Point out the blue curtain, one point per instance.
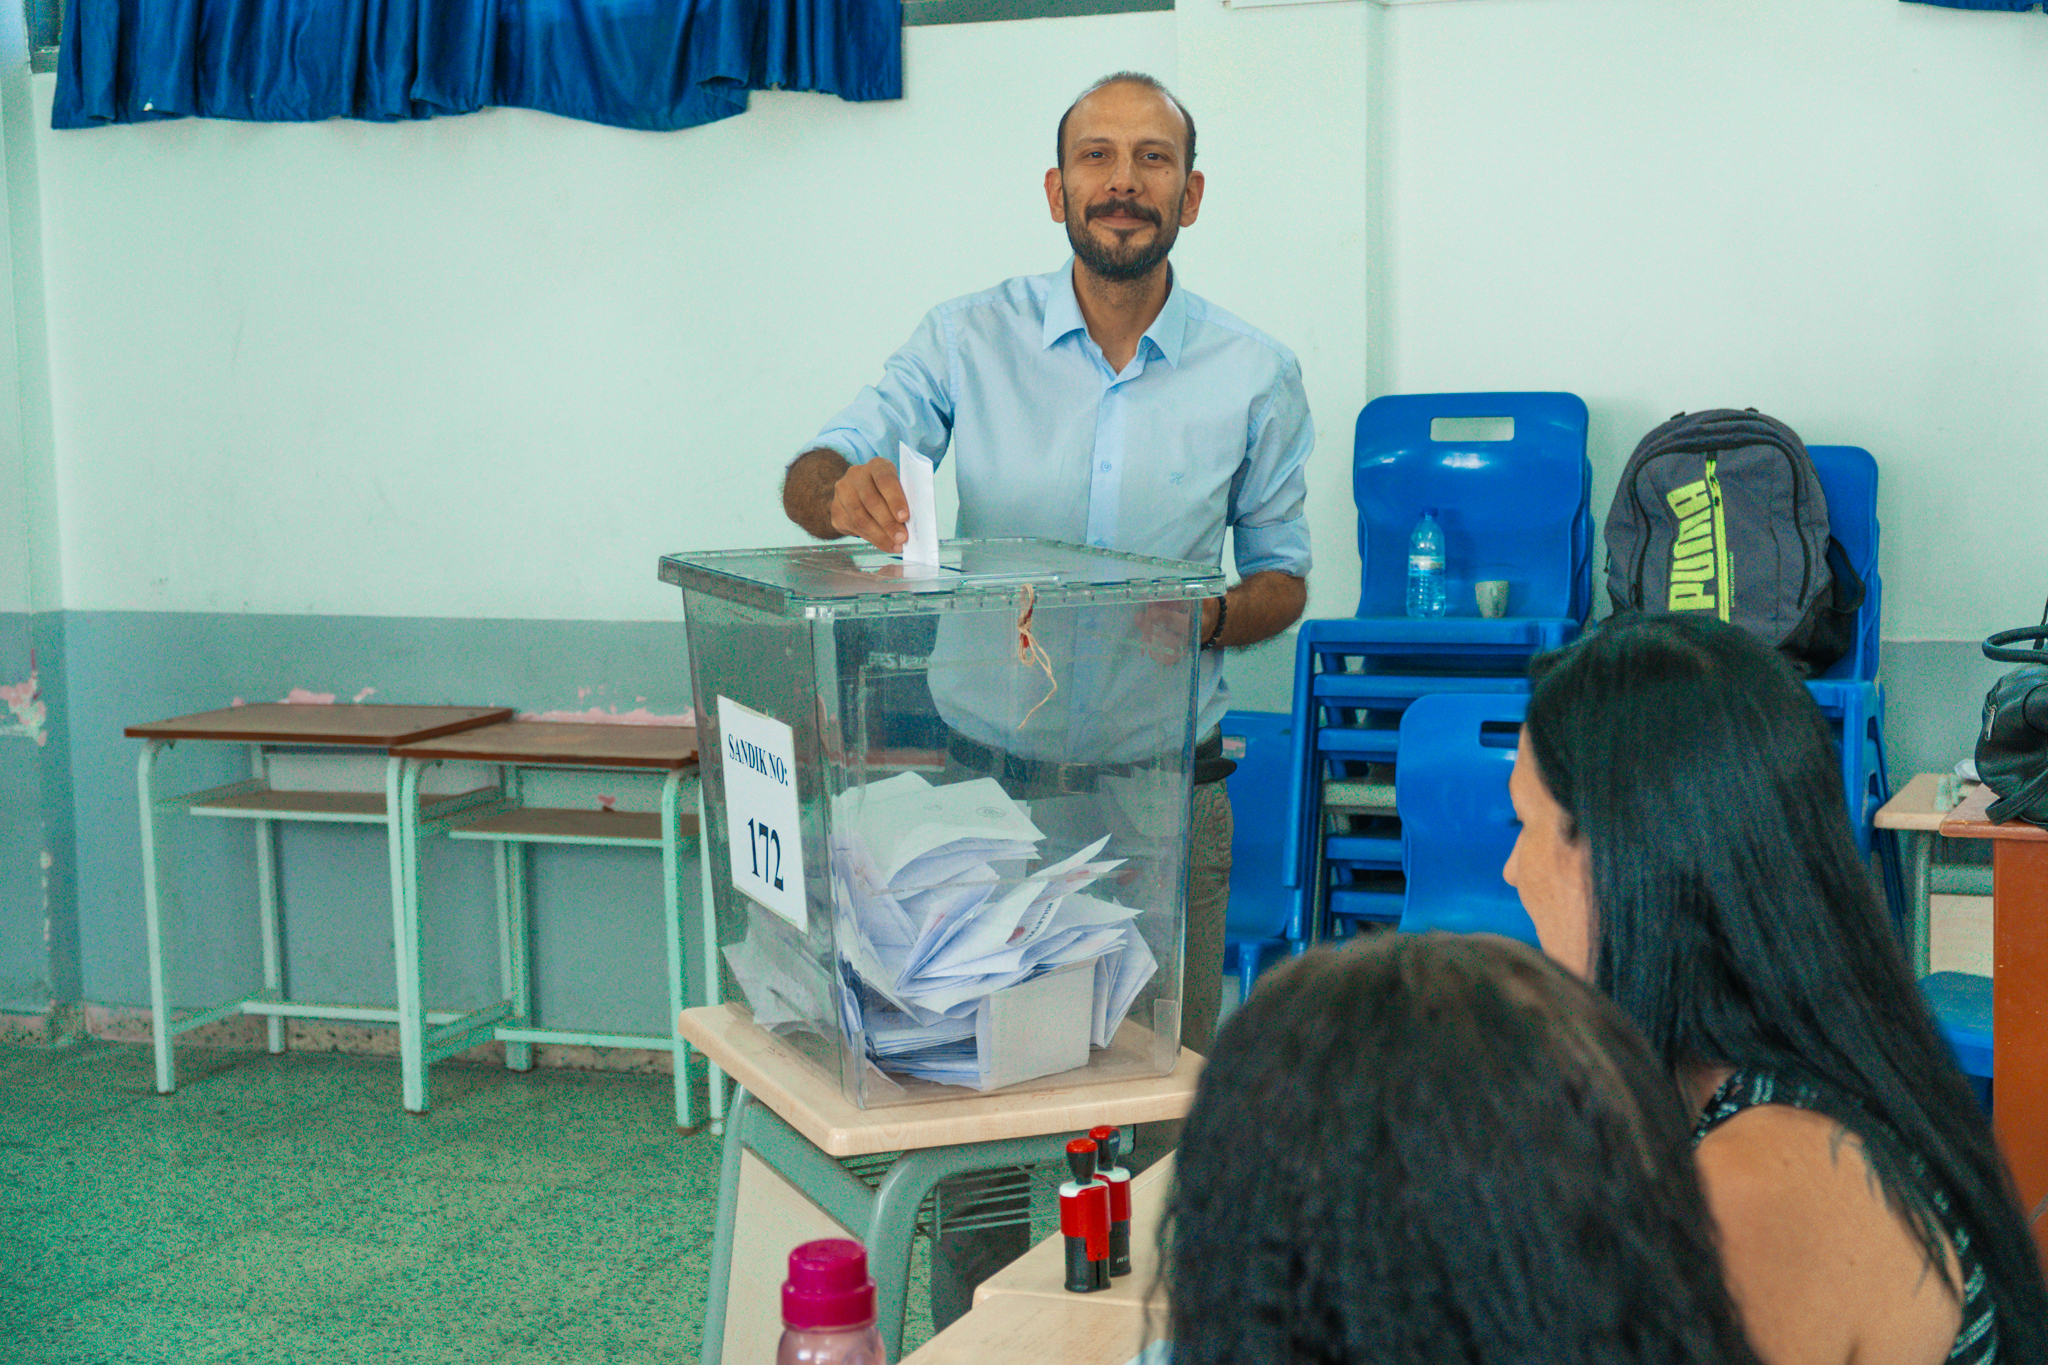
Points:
(654, 64)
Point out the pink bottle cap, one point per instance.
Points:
(828, 1287)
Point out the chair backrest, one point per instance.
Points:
(1848, 476)
(1457, 823)
(1261, 907)
(1515, 508)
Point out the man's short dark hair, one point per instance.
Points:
(1059, 151)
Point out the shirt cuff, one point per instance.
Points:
(1282, 546)
(849, 444)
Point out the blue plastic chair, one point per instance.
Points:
(1457, 823)
(1961, 1002)
(1848, 692)
(1265, 918)
(1848, 477)
(1515, 509)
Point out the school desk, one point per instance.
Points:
(268, 729)
(625, 760)
(801, 1163)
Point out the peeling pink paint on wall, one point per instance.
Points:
(299, 696)
(25, 703)
(597, 715)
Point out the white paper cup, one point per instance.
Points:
(1492, 594)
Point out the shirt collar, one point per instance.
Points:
(1167, 333)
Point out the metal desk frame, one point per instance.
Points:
(883, 1216)
(514, 1026)
(417, 1048)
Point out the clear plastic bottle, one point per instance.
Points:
(828, 1307)
(1427, 596)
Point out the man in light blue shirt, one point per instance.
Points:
(1106, 405)
(1096, 405)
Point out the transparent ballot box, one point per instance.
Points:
(948, 807)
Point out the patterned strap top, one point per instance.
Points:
(1977, 1340)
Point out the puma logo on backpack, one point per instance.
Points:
(1722, 512)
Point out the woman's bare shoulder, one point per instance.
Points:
(1824, 1266)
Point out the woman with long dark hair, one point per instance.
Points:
(1437, 1148)
(1685, 847)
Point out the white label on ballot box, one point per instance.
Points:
(759, 759)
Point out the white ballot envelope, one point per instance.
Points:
(915, 474)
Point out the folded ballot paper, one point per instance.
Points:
(962, 964)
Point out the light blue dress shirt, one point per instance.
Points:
(1207, 427)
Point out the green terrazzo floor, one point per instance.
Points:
(284, 1209)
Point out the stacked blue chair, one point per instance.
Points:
(1848, 693)
(1516, 508)
(1852, 699)
(1457, 823)
(1961, 1003)
(1265, 918)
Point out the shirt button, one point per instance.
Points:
(1105, 466)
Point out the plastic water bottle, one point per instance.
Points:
(1427, 597)
(828, 1307)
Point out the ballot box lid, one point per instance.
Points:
(825, 581)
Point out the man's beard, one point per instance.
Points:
(1124, 261)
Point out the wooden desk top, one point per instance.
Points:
(1042, 1271)
(577, 743)
(369, 727)
(1018, 1330)
(805, 1099)
(1912, 807)
(1967, 821)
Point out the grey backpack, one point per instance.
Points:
(1721, 512)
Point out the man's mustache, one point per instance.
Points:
(1129, 208)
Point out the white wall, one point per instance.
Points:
(495, 365)
(16, 583)
(1829, 209)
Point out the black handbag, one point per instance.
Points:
(2012, 748)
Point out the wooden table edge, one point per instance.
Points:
(1085, 1109)
(1967, 821)
(159, 730)
(457, 754)
(1920, 816)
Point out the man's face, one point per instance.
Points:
(1123, 188)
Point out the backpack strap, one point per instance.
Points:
(1849, 590)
